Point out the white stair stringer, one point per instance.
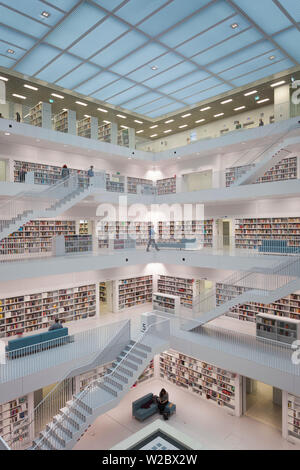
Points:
(251, 295)
(53, 211)
(278, 152)
(104, 394)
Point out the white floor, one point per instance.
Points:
(205, 422)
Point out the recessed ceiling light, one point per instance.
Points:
(139, 132)
(263, 101)
(121, 116)
(124, 127)
(102, 110)
(250, 93)
(234, 25)
(19, 96)
(186, 115)
(154, 135)
(200, 120)
(241, 107)
(154, 67)
(220, 114)
(6, 133)
(272, 57)
(31, 87)
(80, 103)
(153, 127)
(10, 51)
(139, 122)
(4, 79)
(205, 109)
(180, 127)
(226, 101)
(46, 14)
(277, 83)
(57, 96)
(167, 131)
(170, 120)
(106, 122)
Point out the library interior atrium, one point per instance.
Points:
(149, 225)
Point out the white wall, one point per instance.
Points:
(210, 130)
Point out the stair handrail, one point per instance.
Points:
(91, 385)
(31, 418)
(256, 157)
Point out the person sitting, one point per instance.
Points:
(162, 401)
(56, 325)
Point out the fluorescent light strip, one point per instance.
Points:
(169, 130)
(241, 107)
(4, 79)
(31, 87)
(19, 96)
(205, 109)
(57, 96)
(153, 127)
(106, 122)
(263, 101)
(200, 120)
(277, 83)
(139, 122)
(80, 103)
(87, 116)
(102, 110)
(124, 127)
(180, 127)
(220, 114)
(170, 120)
(121, 116)
(226, 101)
(154, 135)
(186, 115)
(250, 93)
(139, 132)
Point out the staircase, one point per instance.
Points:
(48, 204)
(69, 425)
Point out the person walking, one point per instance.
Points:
(56, 325)
(151, 240)
(90, 174)
(65, 174)
(18, 117)
(22, 174)
(261, 123)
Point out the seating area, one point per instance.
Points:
(146, 406)
(32, 344)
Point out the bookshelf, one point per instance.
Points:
(133, 291)
(282, 329)
(102, 292)
(36, 236)
(166, 303)
(40, 115)
(12, 415)
(27, 313)
(166, 186)
(209, 382)
(46, 174)
(286, 169)
(88, 127)
(147, 374)
(135, 231)
(139, 186)
(184, 288)
(78, 243)
(115, 183)
(84, 227)
(250, 233)
(94, 374)
(293, 418)
(176, 230)
(124, 244)
(123, 137)
(65, 122)
(104, 132)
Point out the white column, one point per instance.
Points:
(114, 133)
(282, 103)
(131, 138)
(94, 128)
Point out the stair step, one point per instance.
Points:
(130, 364)
(131, 357)
(51, 441)
(65, 426)
(75, 422)
(109, 389)
(123, 369)
(113, 381)
(77, 411)
(83, 405)
(58, 434)
(119, 376)
(137, 352)
(144, 347)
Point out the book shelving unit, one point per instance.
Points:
(134, 185)
(32, 312)
(102, 292)
(88, 127)
(134, 291)
(282, 329)
(65, 122)
(212, 383)
(47, 174)
(166, 186)
(234, 173)
(40, 115)
(166, 303)
(176, 230)
(12, 415)
(147, 374)
(178, 286)
(250, 233)
(78, 243)
(123, 137)
(94, 374)
(104, 132)
(115, 183)
(293, 417)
